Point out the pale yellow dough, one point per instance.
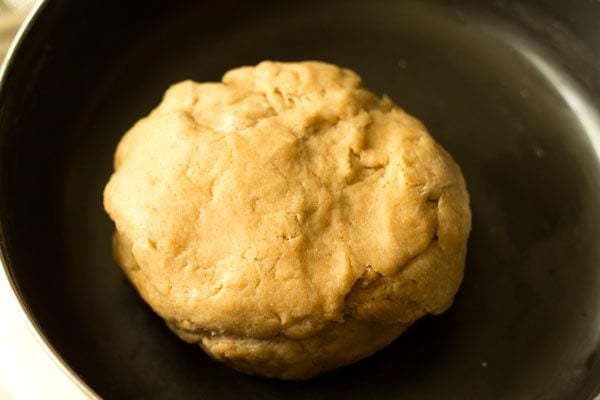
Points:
(286, 219)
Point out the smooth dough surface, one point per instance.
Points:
(286, 219)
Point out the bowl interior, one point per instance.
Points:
(518, 113)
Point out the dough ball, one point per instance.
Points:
(286, 219)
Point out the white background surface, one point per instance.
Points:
(27, 371)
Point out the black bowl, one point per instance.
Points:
(511, 89)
